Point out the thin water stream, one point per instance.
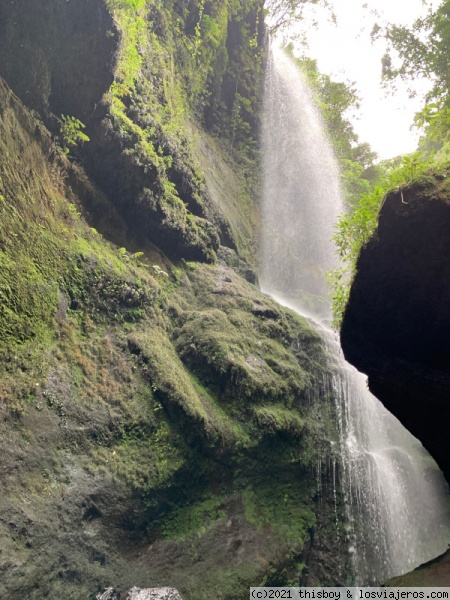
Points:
(396, 499)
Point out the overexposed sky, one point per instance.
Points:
(345, 52)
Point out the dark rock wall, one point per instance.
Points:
(58, 55)
(397, 324)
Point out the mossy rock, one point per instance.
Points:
(236, 350)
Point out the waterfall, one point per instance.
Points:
(396, 499)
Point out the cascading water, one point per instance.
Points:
(397, 501)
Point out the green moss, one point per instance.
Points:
(180, 393)
(282, 508)
(28, 300)
(233, 431)
(278, 419)
(168, 376)
(167, 68)
(195, 518)
(239, 355)
(210, 339)
(146, 463)
(156, 126)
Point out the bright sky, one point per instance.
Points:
(345, 52)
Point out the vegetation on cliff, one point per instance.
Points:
(357, 227)
(157, 424)
(183, 64)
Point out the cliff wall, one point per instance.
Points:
(157, 425)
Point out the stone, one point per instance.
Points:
(108, 594)
(164, 593)
(263, 311)
(435, 573)
(396, 327)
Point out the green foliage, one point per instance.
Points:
(423, 51)
(159, 272)
(71, 133)
(133, 27)
(434, 120)
(178, 391)
(130, 5)
(195, 518)
(226, 344)
(165, 77)
(225, 82)
(278, 419)
(284, 13)
(28, 298)
(169, 379)
(146, 461)
(217, 342)
(197, 48)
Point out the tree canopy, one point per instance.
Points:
(282, 13)
(423, 51)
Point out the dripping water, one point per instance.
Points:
(395, 497)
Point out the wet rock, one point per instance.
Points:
(231, 258)
(63, 65)
(435, 573)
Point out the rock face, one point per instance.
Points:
(58, 56)
(103, 62)
(397, 324)
(435, 573)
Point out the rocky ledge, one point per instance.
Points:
(396, 327)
